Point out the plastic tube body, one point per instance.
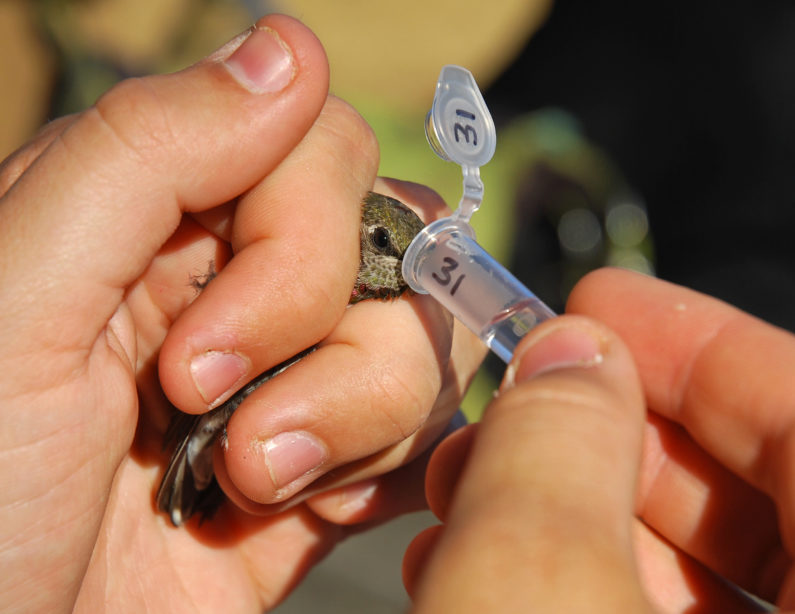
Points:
(445, 261)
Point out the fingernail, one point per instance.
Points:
(564, 347)
(215, 374)
(292, 455)
(357, 497)
(263, 63)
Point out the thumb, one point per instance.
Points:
(116, 180)
(542, 515)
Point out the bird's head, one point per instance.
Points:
(388, 226)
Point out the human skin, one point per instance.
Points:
(242, 160)
(627, 483)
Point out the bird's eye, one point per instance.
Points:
(380, 237)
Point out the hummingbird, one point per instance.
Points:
(189, 485)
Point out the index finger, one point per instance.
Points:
(721, 373)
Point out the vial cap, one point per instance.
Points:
(459, 127)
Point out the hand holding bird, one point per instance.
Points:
(189, 484)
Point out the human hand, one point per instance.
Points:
(105, 215)
(567, 500)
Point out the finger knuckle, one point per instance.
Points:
(404, 402)
(135, 115)
(352, 138)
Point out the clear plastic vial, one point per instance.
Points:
(444, 259)
(450, 265)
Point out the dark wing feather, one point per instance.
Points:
(189, 485)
